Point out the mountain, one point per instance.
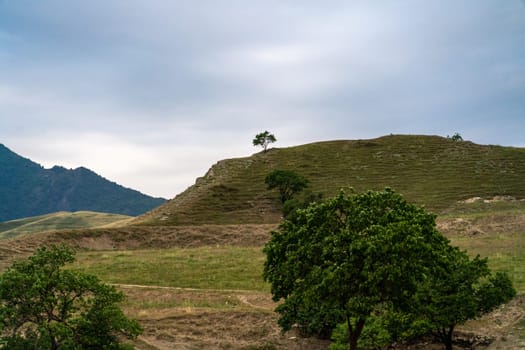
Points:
(27, 189)
(429, 170)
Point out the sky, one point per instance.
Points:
(151, 93)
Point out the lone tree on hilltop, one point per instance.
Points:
(263, 139)
(341, 259)
(43, 306)
(456, 137)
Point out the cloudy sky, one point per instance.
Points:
(151, 93)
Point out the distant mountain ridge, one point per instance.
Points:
(27, 189)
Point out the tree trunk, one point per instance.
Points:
(448, 340)
(448, 344)
(445, 335)
(354, 334)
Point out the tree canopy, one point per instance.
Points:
(456, 137)
(287, 181)
(263, 139)
(340, 259)
(461, 289)
(375, 257)
(43, 306)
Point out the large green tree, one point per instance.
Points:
(460, 289)
(44, 306)
(341, 259)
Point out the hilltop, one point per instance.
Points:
(27, 189)
(429, 170)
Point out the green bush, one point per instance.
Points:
(43, 306)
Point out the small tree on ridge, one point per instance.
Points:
(263, 139)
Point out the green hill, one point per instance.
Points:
(429, 170)
(27, 189)
(58, 221)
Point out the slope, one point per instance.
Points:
(27, 189)
(428, 170)
(59, 221)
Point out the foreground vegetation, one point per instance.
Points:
(494, 230)
(353, 258)
(43, 306)
(182, 293)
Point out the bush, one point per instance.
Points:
(43, 306)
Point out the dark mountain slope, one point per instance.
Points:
(27, 189)
(429, 170)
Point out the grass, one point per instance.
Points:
(229, 267)
(240, 268)
(428, 170)
(217, 268)
(198, 295)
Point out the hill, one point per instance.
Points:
(59, 221)
(194, 281)
(429, 170)
(27, 189)
(200, 286)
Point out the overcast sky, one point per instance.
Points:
(151, 93)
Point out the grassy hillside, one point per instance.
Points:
(58, 221)
(429, 170)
